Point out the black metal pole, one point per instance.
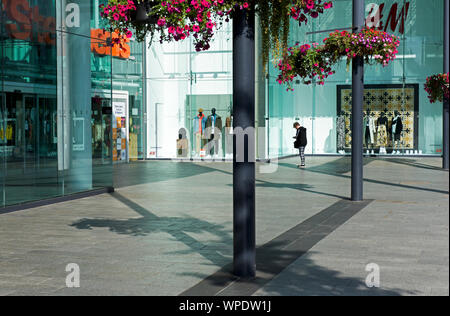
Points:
(445, 118)
(243, 161)
(357, 108)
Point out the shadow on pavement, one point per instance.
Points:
(303, 277)
(327, 169)
(412, 163)
(177, 227)
(155, 171)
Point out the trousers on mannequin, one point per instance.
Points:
(213, 145)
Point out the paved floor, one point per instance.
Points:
(168, 229)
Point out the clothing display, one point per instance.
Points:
(229, 135)
(198, 142)
(199, 123)
(369, 130)
(182, 148)
(394, 106)
(216, 121)
(340, 126)
(7, 136)
(213, 132)
(397, 128)
(199, 126)
(382, 128)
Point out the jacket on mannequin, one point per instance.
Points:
(397, 125)
(369, 127)
(200, 123)
(213, 125)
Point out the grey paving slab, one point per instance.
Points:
(169, 226)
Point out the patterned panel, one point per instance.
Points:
(384, 100)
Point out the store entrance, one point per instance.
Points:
(28, 130)
(110, 126)
(28, 144)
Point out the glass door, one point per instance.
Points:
(30, 146)
(2, 149)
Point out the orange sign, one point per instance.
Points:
(99, 44)
(26, 17)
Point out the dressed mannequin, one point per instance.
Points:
(214, 131)
(229, 135)
(397, 128)
(182, 144)
(369, 130)
(199, 130)
(340, 128)
(382, 137)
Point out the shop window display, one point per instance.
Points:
(390, 119)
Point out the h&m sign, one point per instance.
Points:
(382, 18)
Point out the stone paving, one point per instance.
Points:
(168, 226)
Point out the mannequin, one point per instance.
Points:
(340, 127)
(199, 130)
(369, 130)
(382, 137)
(214, 131)
(229, 135)
(397, 128)
(182, 144)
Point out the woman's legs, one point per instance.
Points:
(302, 156)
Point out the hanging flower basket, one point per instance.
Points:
(306, 61)
(373, 45)
(437, 88)
(316, 63)
(176, 20)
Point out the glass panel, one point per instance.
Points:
(53, 137)
(392, 94)
(212, 91)
(29, 113)
(168, 100)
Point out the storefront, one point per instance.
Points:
(182, 82)
(71, 103)
(73, 106)
(392, 94)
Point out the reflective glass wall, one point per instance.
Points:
(181, 82)
(396, 89)
(189, 93)
(48, 144)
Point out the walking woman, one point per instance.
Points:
(300, 142)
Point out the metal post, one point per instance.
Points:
(357, 108)
(445, 117)
(243, 163)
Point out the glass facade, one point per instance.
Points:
(181, 83)
(72, 105)
(325, 110)
(66, 116)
